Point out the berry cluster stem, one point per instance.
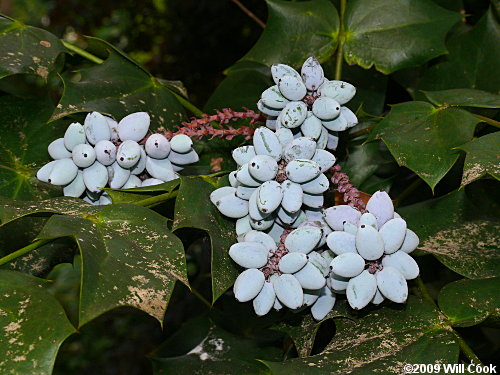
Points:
(272, 266)
(345, 187)
(200, 127)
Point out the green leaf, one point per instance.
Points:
(193, 209)
(363, 161)
(482, 158)
(395, 34)
(103, 88)
(303, 328)
(296, 30)
(218, 352)
(241, 88)
(473, 56)
(129, 257)
(460, 232)
(33, 325)
(65, 286)
(422, 137)
(27, 50)
(371, 87)
(380, 342)
(470, 302)
(23, 146)
(141, 193)
(463, 98)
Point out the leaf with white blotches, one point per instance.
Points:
(33, 325)
(129, 256)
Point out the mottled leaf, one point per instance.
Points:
(103, 88)
(461, 233)
(129, 257)
(218, 352)
(463, 98)
(193, 209)
(380, 342)
(27, 50)
(303, 328)
(470, 302)
(482, 158)
(33, 325)
(24, 138)
(395, 34)
(422, 137)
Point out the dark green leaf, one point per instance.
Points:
(473, 57)
(33, 325)
(27, 50)
(129, 257)
(422, 138)
(103, 88)
(482, 158)
(371, 88)
(24, 138)
(296, 30)
(193, 209)
(364, 159)
(303, 328)
(218, 352)
(141, 193)
(380, 342)
(470, 302)
(241, 88)
(463, 98)
(395, 34)
(461, 233)
(65, 286)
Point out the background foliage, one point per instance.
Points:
(428, 104)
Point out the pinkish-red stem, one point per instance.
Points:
(272, 266)
(344, 186)
(200, 127)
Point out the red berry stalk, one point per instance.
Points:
(200, 127)
(351, 195)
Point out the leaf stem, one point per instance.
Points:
(16, 254)
(156, 200)
(249, 13)
(82, 52)
(466, 350)
(423, 290)
(79, 51)
(488, 120)
(340, 48)
(361, 132)
(201, 298)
